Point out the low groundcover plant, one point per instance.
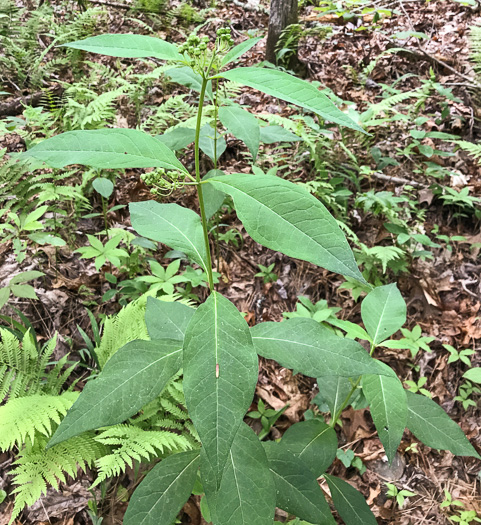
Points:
(243, 478)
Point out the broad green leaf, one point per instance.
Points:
(431, 425)
(239, 50)
(220, 375)
(474, 374)
(23, 277)
(4, 295)
(313, 442)
(105, 148)
(334, 390)
(188, 78)
(25, 291)
(383, 312)
(306, 346)
(247, 493)
(350, 503)
(178, 138)
(130, 379)
(209, 145)
(291, 89)
(128, 46)
(167, 320)
(297, 489)
(103, 186)
(285, 217)
(213, 198)
(171, 224)
(242, 125)
(389, 409)
(163, 492)
(272, 134)
(33, 216)
(46, 238)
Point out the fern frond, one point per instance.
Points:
(133, 443)
(36, 468)
(473, 149)
(388, 104)
(23, 417)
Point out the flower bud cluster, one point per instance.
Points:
(162, 182)
(224, 37)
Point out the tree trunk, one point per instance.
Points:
(282, 13)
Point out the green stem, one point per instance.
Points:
(199, 186)
(348, 398)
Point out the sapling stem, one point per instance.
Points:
(199, 186)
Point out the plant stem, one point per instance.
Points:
(199, 186)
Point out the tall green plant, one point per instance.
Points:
(243, 479)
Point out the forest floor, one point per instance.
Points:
(443, 293)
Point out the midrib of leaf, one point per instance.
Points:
(216, 339)
(296, 490)
(237, 487)
(313, 439)
(167, 489)
(303, 234)
(352, 507)
(381, 316)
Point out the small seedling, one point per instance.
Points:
(399, 495)
(268, 276)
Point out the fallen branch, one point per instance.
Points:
(15, 107)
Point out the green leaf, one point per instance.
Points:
(167, 320)
(4, 295)
(306, 346)
(186, 77)
(297, 489)
(239, 50)
(25, 291)
(474, 374)
(220, 375)
(247, 493)
(285, 217)
(130, 379)
(272, 134)
(170, 224)
(103, 186)
(128, 46)
(163, 492)
(105, 148)
(291, 89)
(213, 198)
(431, 425)
(334, 390)
(178, 138)
(46, 238)
(207, 142)
(383, 312)
(313, 442)
(350, 503)
(242, 125)
(389, 409)
(23, 277)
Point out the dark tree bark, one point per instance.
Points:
(282, 13)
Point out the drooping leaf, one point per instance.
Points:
(188, 78)
(285, 217)
(131, 378)
(247, 492)
(389, 408)
(105, 148)
(103, 186)
(171, 224)
(239, 50)
(213, 198)
(208, 143)
(291, 89)
(272, 134)
(313, 442)
(178, 138)
(167, 320)
(431, 425)
(163, 492)
(297, 489)
(128, 46)
(242, 125)
(220, 374)
(304, 345)
(383, 312)
(349, 502)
